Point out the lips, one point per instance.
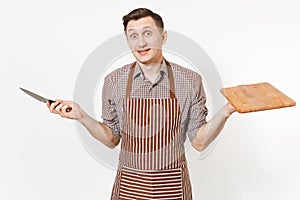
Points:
(143, 52)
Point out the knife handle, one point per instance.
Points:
(51, 101)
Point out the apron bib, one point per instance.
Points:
(152, 163)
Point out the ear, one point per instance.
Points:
(164, 37)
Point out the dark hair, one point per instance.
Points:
(141, 13)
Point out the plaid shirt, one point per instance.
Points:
(188, 90)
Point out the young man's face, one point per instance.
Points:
(145, 40)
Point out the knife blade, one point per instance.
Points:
(40, 98)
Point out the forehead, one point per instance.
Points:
(141, 23)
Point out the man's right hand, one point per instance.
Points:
(61, 108)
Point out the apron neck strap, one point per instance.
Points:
(170, 74)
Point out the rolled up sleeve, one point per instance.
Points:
(109, 112)
(197, 111)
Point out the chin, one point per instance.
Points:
(144, 59)
(147, 59)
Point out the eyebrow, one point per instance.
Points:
(131, 29)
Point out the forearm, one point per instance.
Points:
(208, 132)
(99, 131)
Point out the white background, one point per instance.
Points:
(43, 44)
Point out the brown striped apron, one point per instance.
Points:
(152, 163)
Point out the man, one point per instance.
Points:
(150, 106)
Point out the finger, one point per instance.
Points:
(58, 107)
(231, 108)
(70, 104)
(53, 106)
(65, 102)
(65, 107)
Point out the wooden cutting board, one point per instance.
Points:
(256, 97)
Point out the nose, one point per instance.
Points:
(142, 42)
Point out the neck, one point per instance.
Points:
(151, 69)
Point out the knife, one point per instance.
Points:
(40, 98)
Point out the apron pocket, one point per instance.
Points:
(151, 184)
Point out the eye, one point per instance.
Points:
(148, 33)
(133, 36)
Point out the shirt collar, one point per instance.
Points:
(138, 71)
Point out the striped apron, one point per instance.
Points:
(152, 163)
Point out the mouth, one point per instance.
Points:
(143, 52)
